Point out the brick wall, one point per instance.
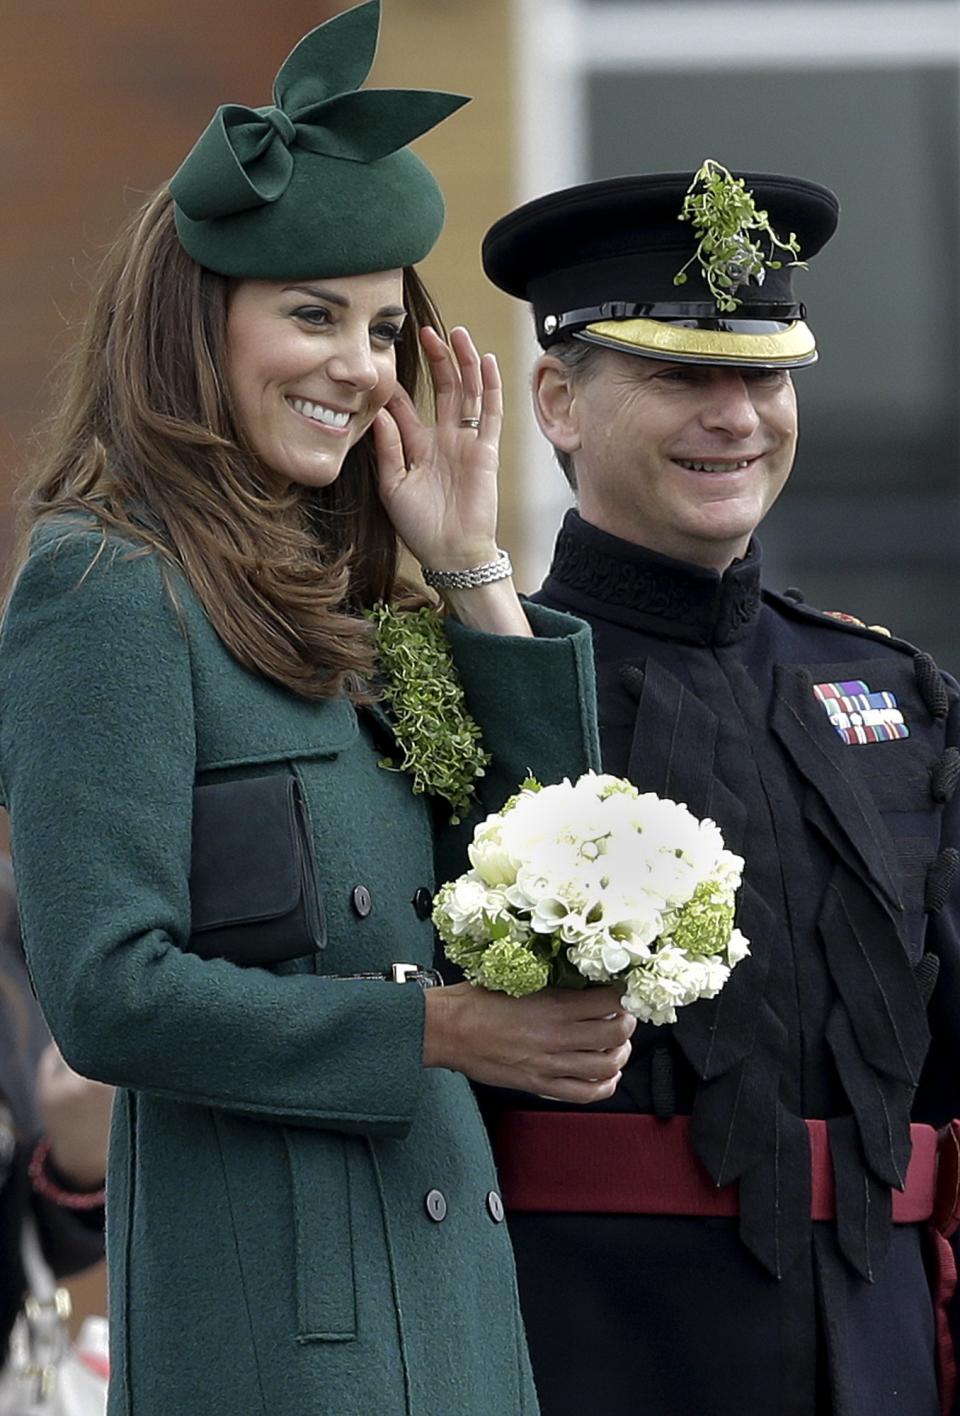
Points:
(99, 101)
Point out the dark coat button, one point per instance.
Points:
(495, 1206)
(362, 900)
(436, 1205)
(423, 903)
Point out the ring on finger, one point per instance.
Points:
(470, 423)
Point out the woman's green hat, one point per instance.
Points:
(320, 183)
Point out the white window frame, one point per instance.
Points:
(557, 43)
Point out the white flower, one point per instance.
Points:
(498, 908)
(596, 960)
(716, 973)
(651, 998)
(489, 857)
(700, 977)
(636, 924)
(612, 942)
(621, 823)
(671, 827)
(608, 786)
(631, 887)
(580, 926)
(568, 908)
(532, 821)
(534, 883)
(729, 869)
(463, 904)
(549, 914)
(737, 948)
(602, 784)
(684, 976)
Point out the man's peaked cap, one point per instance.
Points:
(599, 261)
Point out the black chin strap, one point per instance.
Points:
(696, 314)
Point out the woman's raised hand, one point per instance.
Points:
(439, 484)
(566, 1044)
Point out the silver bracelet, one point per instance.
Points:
(469, 579)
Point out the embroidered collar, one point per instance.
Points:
(600, 575)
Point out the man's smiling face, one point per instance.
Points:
(685, 459)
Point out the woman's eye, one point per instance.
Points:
(387, 333)
(312, 314)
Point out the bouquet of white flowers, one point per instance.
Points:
(594, 882)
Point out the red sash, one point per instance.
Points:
(623, 1163)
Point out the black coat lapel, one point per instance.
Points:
(674, 738)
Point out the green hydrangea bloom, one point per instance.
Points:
(618, 788)
(465, 952)
(704, 923)
(529, 784)
(512, 968)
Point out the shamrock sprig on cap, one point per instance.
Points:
(723, 214)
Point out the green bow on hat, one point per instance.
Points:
(321, 182)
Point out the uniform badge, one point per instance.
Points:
(844, 618)
(859, 715)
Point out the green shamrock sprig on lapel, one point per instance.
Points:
(440, 742)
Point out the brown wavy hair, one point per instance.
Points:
(146, 442)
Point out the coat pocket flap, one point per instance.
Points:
(253, 721)
(325, 1279)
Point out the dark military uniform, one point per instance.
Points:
(753, 1241)
(708, 695)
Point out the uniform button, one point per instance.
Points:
(362, 900)
(495, 1207)
(436, 1205)
(423, 903)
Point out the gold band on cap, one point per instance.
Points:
(790, 347)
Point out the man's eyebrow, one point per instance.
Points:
(317, 292)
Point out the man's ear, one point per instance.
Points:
(554, 403)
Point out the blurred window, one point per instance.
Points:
(865, 98)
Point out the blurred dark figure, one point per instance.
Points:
(53, 1133)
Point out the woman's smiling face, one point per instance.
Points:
(310, 364)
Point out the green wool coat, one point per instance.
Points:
(270, 1247)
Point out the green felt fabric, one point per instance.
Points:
(320, 182)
